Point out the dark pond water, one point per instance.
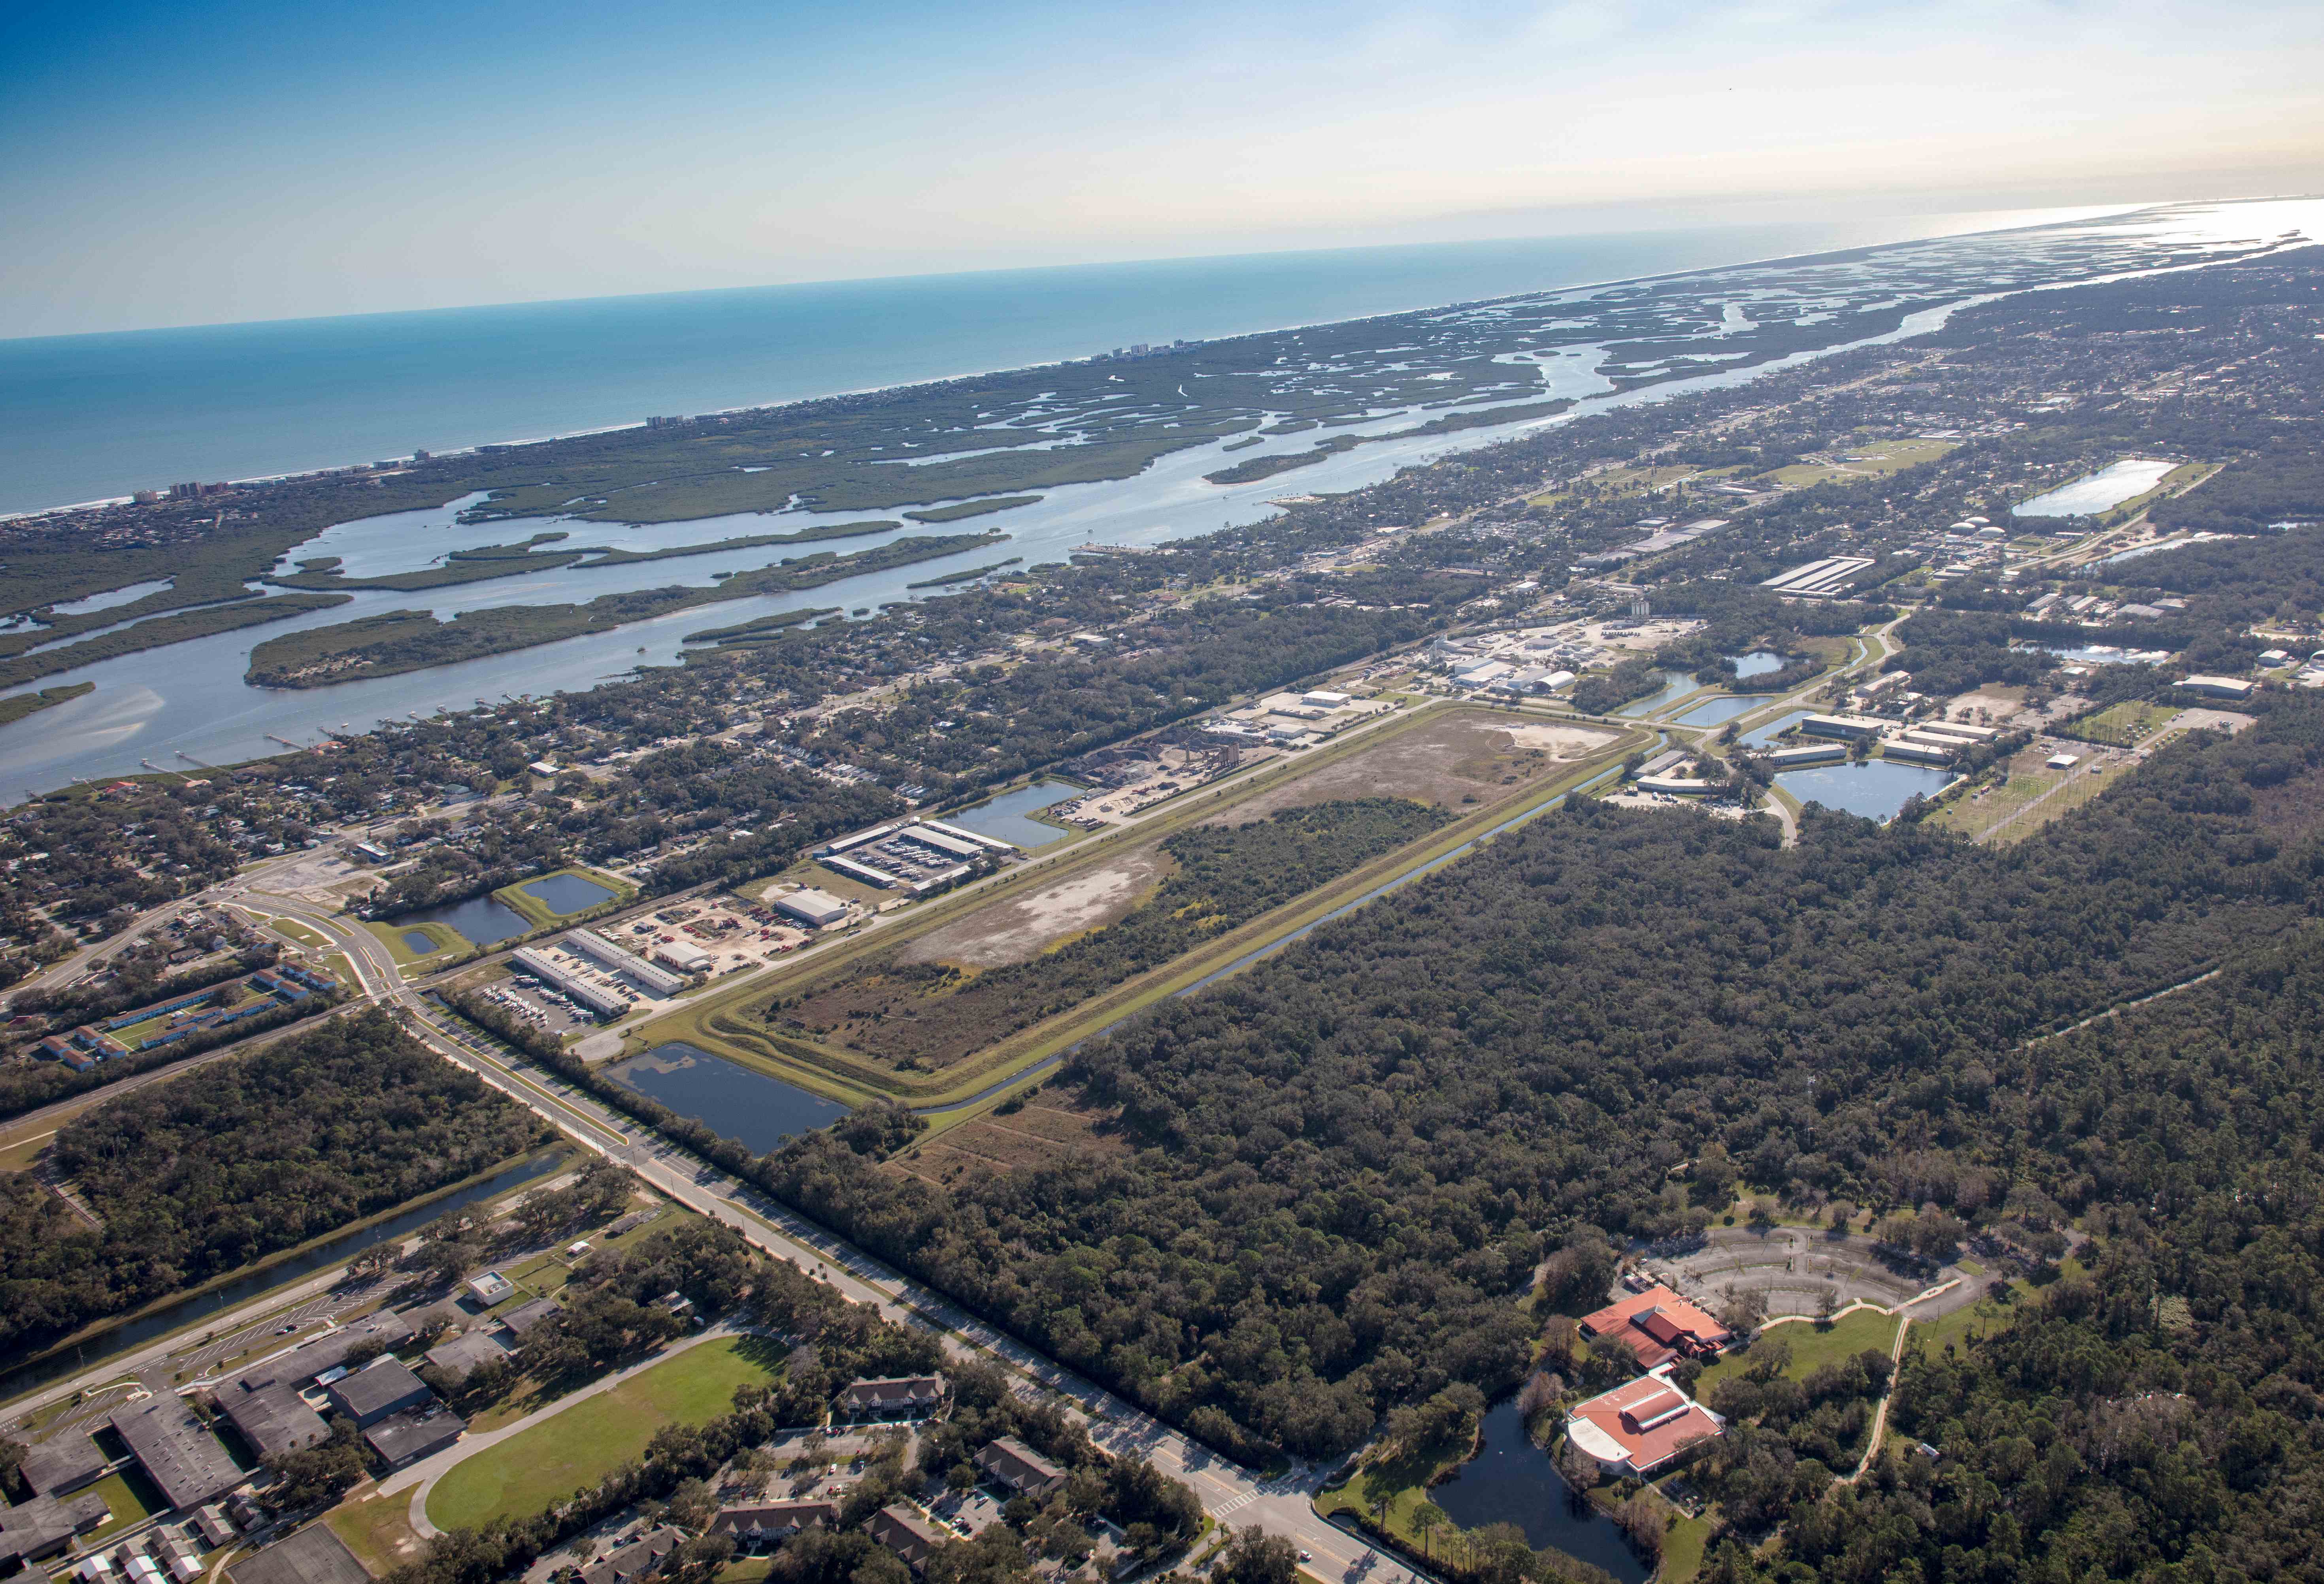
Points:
(567, 893)
(416, 941)
(339, 1250)
(756, 1112)
(1875, 788)
(1711, 712)
(480, 921)
(1004, 817)
(1764, 736)
(1674, 683)
(1513, 1481)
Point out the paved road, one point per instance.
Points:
(1227, 1491)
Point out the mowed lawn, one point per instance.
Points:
(577, 1446)
(1814, 1345)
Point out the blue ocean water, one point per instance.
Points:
(87, 417)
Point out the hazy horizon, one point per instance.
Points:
(254, 162)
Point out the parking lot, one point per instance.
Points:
(1795, 1268)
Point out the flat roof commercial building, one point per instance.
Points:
(2220, 687)
(599, 999)
(184, 1460)
(1815, 753)
(1846, 726)
(589, 943)
(1919, 753)
(61, 1463)
(272, 1416)
(377, 1390)
(409, 1434)
(811, 907)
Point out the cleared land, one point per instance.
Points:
(871, 1017)
(1020, 928)
(1451, 761)
(1044, 1131)
(577, 1446)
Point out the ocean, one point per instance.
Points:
(88, 418)
(561, 367)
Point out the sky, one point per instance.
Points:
(168, 164)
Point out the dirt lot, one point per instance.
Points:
(1049, 1129)
(1022, 928)
(1795, 1266)
(1464, 757)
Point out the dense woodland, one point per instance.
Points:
(236, 1161)
(1349, 1159)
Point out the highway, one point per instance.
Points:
(1228, 1492)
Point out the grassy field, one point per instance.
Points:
(291, 929)
(2126, 724)
(448, 942)
(378, 1530)
(1682, 1548)
(1876, 459)
(2030, 798)
(1813, 1344)
(1403, 1483)
(579, 1446)
(130, 1497)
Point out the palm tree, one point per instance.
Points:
(1425, 1519)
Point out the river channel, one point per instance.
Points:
(186, 706)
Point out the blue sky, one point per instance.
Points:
(257, 160)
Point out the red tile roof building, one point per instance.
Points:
(1659, 1326)
(1641, 1425)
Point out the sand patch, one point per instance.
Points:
(1020, 929)
(1455, 760)
(1559, 741)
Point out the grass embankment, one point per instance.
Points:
(155, 631)
(396, 641)
(445, 938)
(721, 1024)
(579, 1445)
(541, 916)
(17, 707)
(304, 934)
(1402, 1484)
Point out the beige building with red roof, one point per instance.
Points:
(1641, 1425)
(1659, 1326)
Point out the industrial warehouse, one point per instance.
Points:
(915, 856)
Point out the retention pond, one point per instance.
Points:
(753, 1110)
(1512, 1481)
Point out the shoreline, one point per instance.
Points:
(588, 431)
